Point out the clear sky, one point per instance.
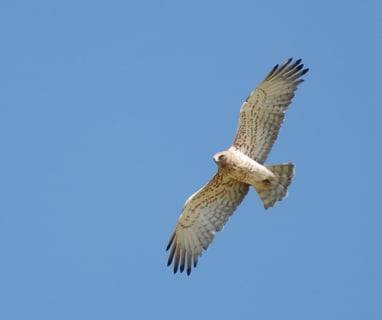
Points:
(110, 113)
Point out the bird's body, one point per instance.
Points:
(240, 167)
(270, 182)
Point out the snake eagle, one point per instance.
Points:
(240, 167)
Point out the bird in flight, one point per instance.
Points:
(240, 167)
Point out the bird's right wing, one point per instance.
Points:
(204, 213)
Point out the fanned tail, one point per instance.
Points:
(275, 190)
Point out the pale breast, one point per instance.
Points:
(244, 169)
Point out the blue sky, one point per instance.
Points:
(110, 113)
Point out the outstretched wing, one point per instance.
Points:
(263, 112)
(204, 213)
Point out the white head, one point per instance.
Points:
(222, 158)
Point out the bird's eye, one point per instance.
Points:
(222, 157)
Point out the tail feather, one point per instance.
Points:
(275, 189)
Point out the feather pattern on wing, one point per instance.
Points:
(207, 210)
(204, 213)
(262, 114)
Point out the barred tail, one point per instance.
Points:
(274, 190)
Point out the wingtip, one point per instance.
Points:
(170, 242)
(301, 66)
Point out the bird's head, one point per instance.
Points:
(221, 158)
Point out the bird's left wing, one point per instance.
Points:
(204, 213)
(262, 114)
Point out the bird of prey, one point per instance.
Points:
(240, 167)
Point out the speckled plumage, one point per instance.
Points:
(241, 166)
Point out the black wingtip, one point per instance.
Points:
(299, 67)
(170, 242)
(275, 68)
(287, 61)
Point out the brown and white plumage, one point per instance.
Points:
(263, 112)
(204, 213)
(207, 210)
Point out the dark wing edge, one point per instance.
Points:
(290, 72)
(258, 128)
(203, 215)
